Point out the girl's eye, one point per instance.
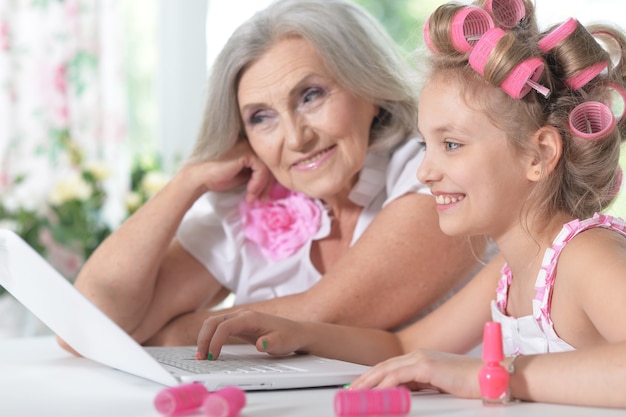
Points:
(450, 146)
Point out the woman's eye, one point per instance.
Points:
(310, 94)
(257, 118)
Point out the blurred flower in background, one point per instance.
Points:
(147, 179)
(65, 222)
(64, 128)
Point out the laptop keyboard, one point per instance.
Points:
(185, 359)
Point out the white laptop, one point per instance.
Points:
(59, 305)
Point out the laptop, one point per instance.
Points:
(69, 314)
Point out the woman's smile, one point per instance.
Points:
(314, 161)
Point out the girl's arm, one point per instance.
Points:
(591, 377)
(457, 325)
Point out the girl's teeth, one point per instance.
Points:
(440, 199)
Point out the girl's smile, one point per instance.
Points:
(477, 179)
(447, 199)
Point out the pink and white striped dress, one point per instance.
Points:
(535, 333)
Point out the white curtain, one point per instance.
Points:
(62, 113)
(61, 77)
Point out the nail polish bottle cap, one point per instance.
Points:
(492, 342)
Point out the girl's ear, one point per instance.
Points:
(549, 143)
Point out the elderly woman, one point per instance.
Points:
(300, 197)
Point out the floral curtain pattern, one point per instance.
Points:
(63, 124)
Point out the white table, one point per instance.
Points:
(38, 378)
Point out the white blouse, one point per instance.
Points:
(212, 229)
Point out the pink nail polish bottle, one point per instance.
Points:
(225, 402)
(181, 399)
(493, 378)
(373, 402)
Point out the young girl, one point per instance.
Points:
(522, 145)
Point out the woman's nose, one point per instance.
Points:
(297, 133)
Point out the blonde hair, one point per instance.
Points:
(585, 179)
(358, 51)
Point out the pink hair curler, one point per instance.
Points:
(591, 120)
(181, 399)
(524, 77)
(373, 402)
(493, 379)
(426, 34)
(610, 44)
(520, 79)
(225, 402)
(480, 54)
(619, 111)
(506, 13)
(185, 399)
(468, 25)
(557, 35)
(583, 77)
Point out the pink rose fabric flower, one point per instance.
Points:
(282, 224)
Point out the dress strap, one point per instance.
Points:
(502, 292)
(546, 276)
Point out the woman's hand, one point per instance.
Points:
(270, 334)
(426, 369)
(238, 166)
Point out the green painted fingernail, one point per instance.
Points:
(265, 345)
(346, 386)
(209, 356)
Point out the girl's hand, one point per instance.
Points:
(270, 334)
(426, 369)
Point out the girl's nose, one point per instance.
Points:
(426, 172)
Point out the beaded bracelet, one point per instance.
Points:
(510, 369)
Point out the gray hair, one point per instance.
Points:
(359, 52)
